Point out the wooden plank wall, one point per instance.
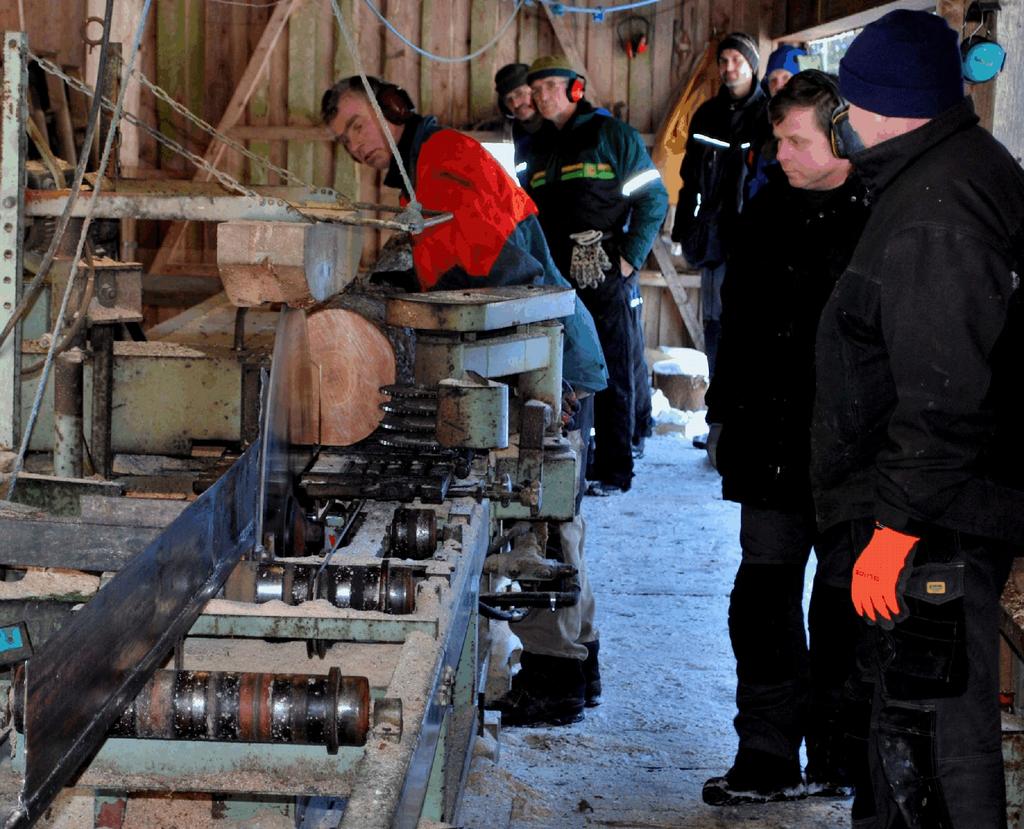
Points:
(198, 50)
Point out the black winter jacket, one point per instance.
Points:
(725, 136)
(919, 405)
(796, 243)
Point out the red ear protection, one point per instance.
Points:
(577, 86)
(633, 33)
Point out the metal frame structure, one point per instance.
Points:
(14, 113)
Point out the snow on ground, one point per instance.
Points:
(662, 558)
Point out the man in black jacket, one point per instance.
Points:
(799, 232)
(515, 100)
(917, 445)
(725, 134)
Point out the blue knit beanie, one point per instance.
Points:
(906, 64)
(785, 57)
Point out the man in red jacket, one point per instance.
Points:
(493, 239)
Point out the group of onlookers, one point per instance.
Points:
(862, 310)
(859, 242)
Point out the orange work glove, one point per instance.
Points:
(877, 573)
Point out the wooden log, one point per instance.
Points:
(263, 262)
(684, 391)
(353, 359)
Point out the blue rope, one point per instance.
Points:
(445, 58)
(598, 12)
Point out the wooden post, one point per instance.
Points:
(1009, 94)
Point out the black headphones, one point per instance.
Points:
(396, 104)
(842, 137)
(982, 57)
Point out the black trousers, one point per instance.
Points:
(935, 750)
(786, 690)
(614, 408)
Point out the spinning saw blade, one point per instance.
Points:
(90, 669)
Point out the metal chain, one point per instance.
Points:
(230, 182)
(237, 146)
(77, 259)
(410, 220)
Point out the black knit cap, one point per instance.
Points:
(510, 76)
(745, 45)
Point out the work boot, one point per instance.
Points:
(756, 777)
(592, 675)
(548, 691)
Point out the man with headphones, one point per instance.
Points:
(917, 447)
(799, 231)
(493, 239)
(601, 205)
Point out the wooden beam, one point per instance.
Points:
(1009, 85)
(233, 112)
(67, 542)
(596, 93)
(677, 287)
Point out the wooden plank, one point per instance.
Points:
(526, 35)
(654, 279)
(566, 39)
(236, 106)
(346, 171)
(483, 24)
(303, 105)
(671, 330)
(459, 26)
(652, 298)
(65, 542)
(155, 513)
(61, 118)
(600, 38)
(370, 40)
(258, 114)
(277, 72)
(660, 43)
(640, 80)
(323, 152)
(675, 284)
(1009, 86)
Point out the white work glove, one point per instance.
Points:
(589, 261)
(714, 433)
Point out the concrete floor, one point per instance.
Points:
(662, 558)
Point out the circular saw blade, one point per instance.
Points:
(289, 429)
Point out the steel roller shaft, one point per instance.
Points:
(374, 587)
(302, 709)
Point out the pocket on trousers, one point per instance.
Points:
(925, 655)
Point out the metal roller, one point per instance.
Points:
(413, 533)
(375, 587)
(302, 709)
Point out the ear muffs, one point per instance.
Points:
(633, 33)
(395, 103)
(576, 88)
(842, 136)
(982, 58)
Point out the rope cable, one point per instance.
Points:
(444, 58)
(414, 205)
(77, 260)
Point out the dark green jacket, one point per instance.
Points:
(595, 174)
